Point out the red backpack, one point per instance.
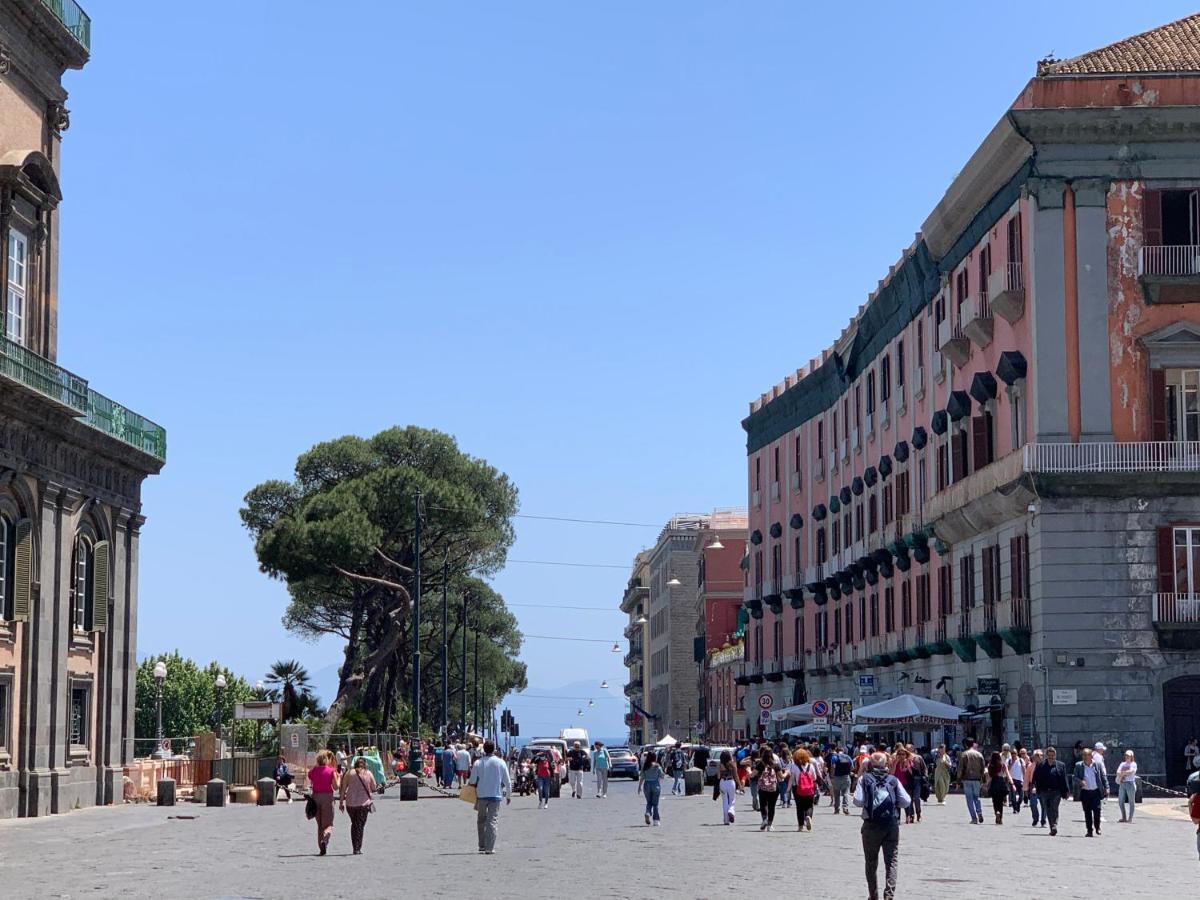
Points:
(806, 784)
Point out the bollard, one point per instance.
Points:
(408, 787)
(166, 792)
(215, 792)
(266, 791)
(693, 782)
(555, 787)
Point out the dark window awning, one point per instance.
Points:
(958, 406)
(1011, 367)
(983, 387)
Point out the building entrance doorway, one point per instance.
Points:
(1181, 719)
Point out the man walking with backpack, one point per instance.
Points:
(678, 762)
(881, 797)
(841, 765)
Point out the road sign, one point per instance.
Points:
(1064, 697)
(820, 709)
(842, 712)
(866, 681)
(764, 717)
(820, 720)
(765, 701)
(988, 686)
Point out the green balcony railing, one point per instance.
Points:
(72, 16)
(37, 372)
(56, 383)
(125, 425)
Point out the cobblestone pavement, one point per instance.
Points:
(582, 849)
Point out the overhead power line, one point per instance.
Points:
(560, 518)
(556, 606)
(555, 637)
(549, 562)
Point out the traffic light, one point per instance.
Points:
(514, 730)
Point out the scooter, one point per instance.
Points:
(524, 782)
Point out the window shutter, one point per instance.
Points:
(1166, 559)
(979, 442)
(1014, 567)
(101, 580)
(958, 451)
(23, 572)
(1158, 405)
(1152, 218)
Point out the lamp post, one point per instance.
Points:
(261, 689)
(160, 676)
(219, 693)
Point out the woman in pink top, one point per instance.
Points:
(357, 787)
(323, 779)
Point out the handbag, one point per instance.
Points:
(310, 807)
(468, 794)
(370, 804)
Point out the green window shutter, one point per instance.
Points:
(101, 579)
(23, 572)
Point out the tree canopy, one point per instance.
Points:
(189, 696)
(342, 534)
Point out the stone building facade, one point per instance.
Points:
(987, 489)
(72, 462)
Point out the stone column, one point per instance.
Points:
(130, 599)
(1048, 398)
(1091, 242)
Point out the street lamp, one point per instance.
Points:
(604, 685)
(674, 582)
(160, 676)
(715, 545)
(219, 692)
(616, 647)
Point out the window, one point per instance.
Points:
(966, 575)
(1172, 218)
(79, 717)
(1018, 556)
(1018, 425)
(858, 522)
(822, 553)
(835, 536)
(758, 571)
(900, 363)
(920, 343)
(983, 440)
(870, 393)
(985, 269)
(922, 483)
(1183, 404)
(858, 406)
(943, 465)
(796, 556)
(83, 585)
(1187, 560)
(906, 611)
(796, 461)
(777, 567)
(991, 574)
(778, 638)
(798, 634)
(18, 284)
(872, 514)
(887, 505)
(1014, 244)
(874, 615)
(945, 590)
(758, 473)
(8, 552)
(821, 440)
(923, 597)
(903, 494)
(835, 431)
(889, 609)
(837, 626)
(4, 707)
(885, 380)
(776, 462)
(862, 617)
(848, 618)
(958, 454)
(961, 289)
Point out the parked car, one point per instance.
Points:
(622, 763)
(714, 763)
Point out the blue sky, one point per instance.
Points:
(579, 237)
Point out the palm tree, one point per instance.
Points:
(291, 681)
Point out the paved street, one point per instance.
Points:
(581, 848)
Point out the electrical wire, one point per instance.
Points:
(549, 562)
(558, 518)
(555, 637)
(556, 606)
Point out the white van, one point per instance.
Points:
(571, 735)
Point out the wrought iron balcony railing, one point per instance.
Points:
(74, 19)
(71, 392)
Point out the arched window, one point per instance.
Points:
(8, 550)
(83, 583)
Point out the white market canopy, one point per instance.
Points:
(810, 729)
(908, 710)
(667, 741)
(803, 711)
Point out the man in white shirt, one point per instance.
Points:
(462, 763)
(493, 784)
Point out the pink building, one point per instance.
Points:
(985, 490)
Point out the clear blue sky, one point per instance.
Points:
(579, 237)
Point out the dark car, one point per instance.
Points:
(622, 763)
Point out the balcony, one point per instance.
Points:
(1006, 292)
(952, 343)
(633, 686)
(1101, 458)
(958, 631)
(74, 19)
(753, 671)
(988, 637)
(742, 676)
(772, 598)
(1176, 618)
(793, 666)
(772, 670)
(71, 394)
(634, 656)
(1169, 273)
(1014, 621)
(978, 324)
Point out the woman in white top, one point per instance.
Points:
(1016, 769)
(1127, 785)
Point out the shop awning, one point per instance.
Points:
(909, 711)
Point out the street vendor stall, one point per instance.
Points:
(908, 711)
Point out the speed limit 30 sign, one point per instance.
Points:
(765, 701)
